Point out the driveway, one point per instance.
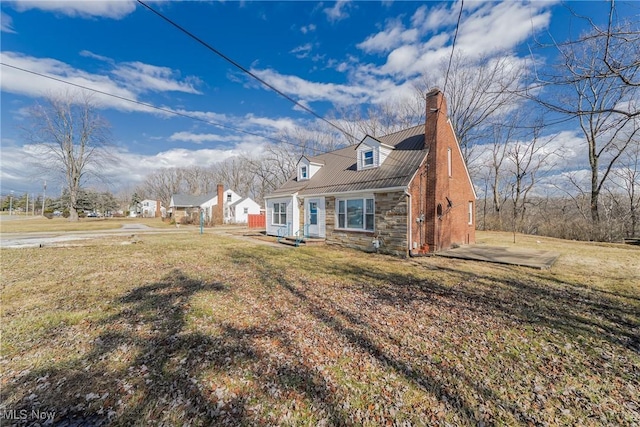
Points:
(40, 239)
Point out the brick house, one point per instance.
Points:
(407, 193)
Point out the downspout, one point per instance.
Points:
(409, 233)
(409, 223)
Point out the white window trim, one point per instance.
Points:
(449, 166)
(470, 213)
(304, 172)
(273, 213)
(365, 213)
(364, 158)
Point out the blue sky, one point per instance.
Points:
(323, 54)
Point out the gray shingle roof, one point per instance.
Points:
(339, 173)
(189, 200)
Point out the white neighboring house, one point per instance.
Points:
(235, 208)
(147, 209)
(238, 211)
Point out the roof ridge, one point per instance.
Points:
(398, 131)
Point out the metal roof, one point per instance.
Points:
(339, 173)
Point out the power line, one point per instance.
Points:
(453, 46)
(145, 104)
(243, 69)
(166, 110)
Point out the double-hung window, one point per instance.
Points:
(303, 172)
(279, 214)
(367, 158)
(356, 214)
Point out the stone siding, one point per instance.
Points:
(390, 226)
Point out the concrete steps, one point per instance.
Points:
(306, 241)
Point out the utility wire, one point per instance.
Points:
(145, 104)
(453, 46)
(177, 113)
(244, 70)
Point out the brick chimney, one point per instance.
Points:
(220, 207)
(158, 213)
(436, 114)
(439, 140)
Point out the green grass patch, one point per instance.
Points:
(208, 330)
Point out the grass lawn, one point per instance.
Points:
(201, 330)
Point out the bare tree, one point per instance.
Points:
(479, 91)
(162, 184)
(627, 178)
(527, 159)
(70, 140)
(198, 180)
(620, 53)
(602, 105)
(381, 119)
(271, 169)
(595, 83)
(234, 173)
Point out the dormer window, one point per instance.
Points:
(307, 168)
(367, 158)
(371, 153)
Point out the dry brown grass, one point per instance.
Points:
(211, 330)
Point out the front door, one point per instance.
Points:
(313, 230)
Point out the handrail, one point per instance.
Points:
(282, 232)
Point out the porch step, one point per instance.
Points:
(306, 241)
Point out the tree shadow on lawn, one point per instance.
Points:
(566, 308)
(556, 304)
(158, 380)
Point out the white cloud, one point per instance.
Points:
(308, 28)
(196, 138)
(127, 80)
(142, 77)
(89, 54)
(115, 9)
(6, 23)
(312, 91)
(401, 59)
(277, 124)
(337, 12)
(130, 170)
(486, 29)
(393, 36)
(302, 51)
(23, 83)
(510, 23)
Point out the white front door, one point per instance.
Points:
(312, 217)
